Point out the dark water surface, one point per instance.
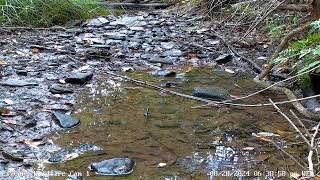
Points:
(190, 143)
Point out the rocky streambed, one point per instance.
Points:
(62, 114)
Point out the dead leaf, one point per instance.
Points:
(2, 63)
(261, 157)
(4, 111)
(35, 50)
(248, 148)
(11, 121)
(229, 71)
(262, 138)
(33, 144)
(8, 101)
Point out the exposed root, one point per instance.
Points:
(291, 96)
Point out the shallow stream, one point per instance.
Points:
(157, 129)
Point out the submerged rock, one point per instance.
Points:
(59, 89)
(163, 73)
(100, 21)
(13, 155)
(65, 121)
(113, 167)
(211, 92)
(17, 83)
(79, 78)
(66, 154)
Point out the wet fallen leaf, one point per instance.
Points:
(8, 101)
(33, 144)
(189, 69)
(11, 121)
(4, 111)
(161, 165)
(248, 148)
(266, 139)
(295, 175)
(261, 157)
(229, 71)
(35, 50)
(2, 63)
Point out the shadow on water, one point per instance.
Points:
(190, 143)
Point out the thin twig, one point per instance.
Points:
(291, 123)
(208, 101)
(300, 122)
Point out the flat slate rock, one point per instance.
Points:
(65, 121)
(160, 60)
(79, 78)
(17, 83)
(211, 92)
(59, 89)
(113, 167)
(224, 58)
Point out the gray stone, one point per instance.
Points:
(79, 78)
(17, 83)
(98, 21)
(173, 52)
(167, 45)
(65, 121)
(59, 89)
(211, 92)
(163, 73)
(224, 58)
(113, 167)
(156, 59)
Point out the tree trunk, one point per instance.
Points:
(315, 12)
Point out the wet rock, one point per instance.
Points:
(22, 72)
(213, 55)
(113, 167)
(156, 59)
(167, 45)
(211, 92)
(118, 37)
(169, 84)
(163, 73)
(65, 121)
(79, 78)
(224, 58)
(17, 83)
(66, 154)
(167, 124)
(137, 28)
(13, 155)
(59, 89)
(173, 52)
(100, 21)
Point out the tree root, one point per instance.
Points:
(291, 96)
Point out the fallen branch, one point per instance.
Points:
(208, 101)
(311, 143)
(296, 7)
(298, 106)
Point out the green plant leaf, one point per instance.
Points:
(309, 66)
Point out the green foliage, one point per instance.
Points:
(47, 12)
(304, 54)
(277, 25)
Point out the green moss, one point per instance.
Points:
(47, 12)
